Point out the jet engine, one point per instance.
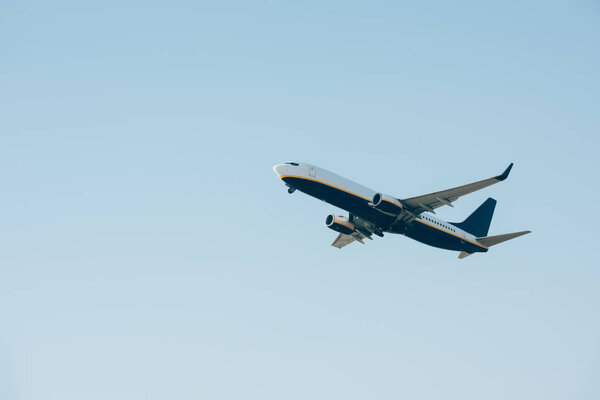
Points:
(387, 204)
(339, 224)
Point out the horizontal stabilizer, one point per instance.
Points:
(464, 254)
(489, 241)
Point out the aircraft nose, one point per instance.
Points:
(280, 169)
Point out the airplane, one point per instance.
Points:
(373, 213)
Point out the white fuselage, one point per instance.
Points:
(312, 173)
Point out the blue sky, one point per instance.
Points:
(149, 252)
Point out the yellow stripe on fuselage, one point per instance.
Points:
(323, 183)
(450, 233)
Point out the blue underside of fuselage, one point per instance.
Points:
(417, 229)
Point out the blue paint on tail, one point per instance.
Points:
(478, 223)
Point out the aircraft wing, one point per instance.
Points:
(343, 240)
(431, 201)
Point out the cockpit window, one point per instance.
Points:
(295, 164)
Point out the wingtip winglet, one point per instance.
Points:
(505, 173)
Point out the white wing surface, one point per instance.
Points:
(342, 240)
(431, 201)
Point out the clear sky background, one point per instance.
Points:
(148, 251)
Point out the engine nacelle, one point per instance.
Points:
(387, 204)
(339, 224)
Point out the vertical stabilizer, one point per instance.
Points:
(478, 223)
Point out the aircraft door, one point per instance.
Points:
(312, 171)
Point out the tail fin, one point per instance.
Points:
(478, 223)
(490, 241)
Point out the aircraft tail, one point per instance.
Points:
(489, 241)
(478, 223)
